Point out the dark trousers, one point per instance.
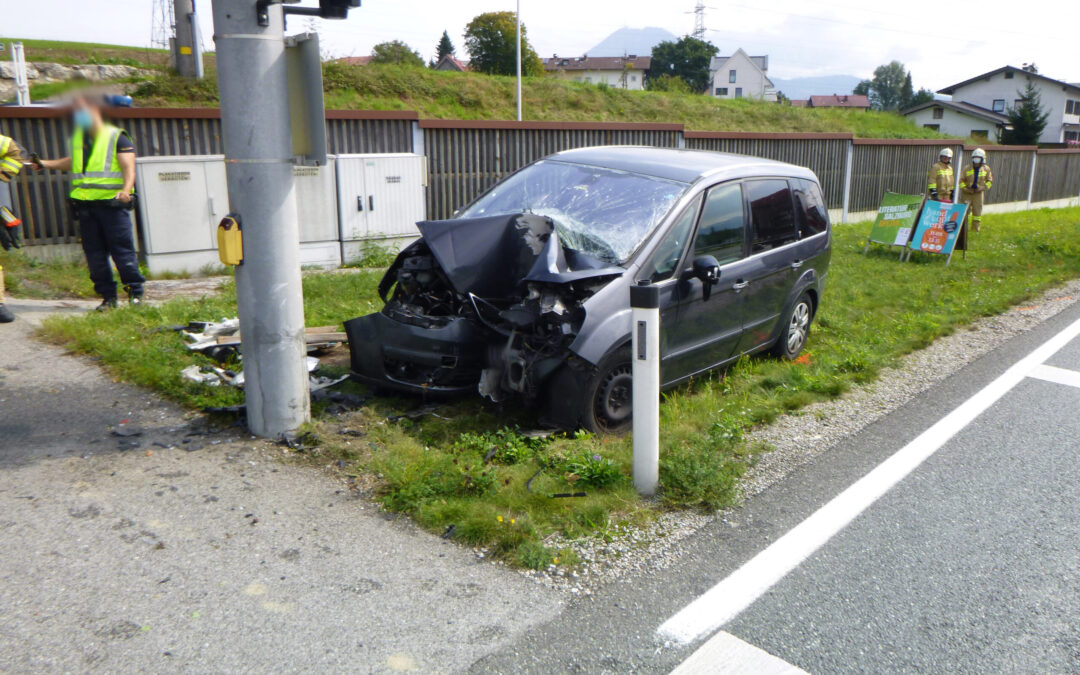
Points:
(107, 232)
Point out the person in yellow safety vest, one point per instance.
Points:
(102, 162)
(974, 182)
(939, 181)
(10, 166)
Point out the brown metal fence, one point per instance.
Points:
(824, 154)
(886, 165)
(41, 199)
(1057, 175)
(1011, 167)
(466, 157)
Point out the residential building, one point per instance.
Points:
(622, 72)
(451, 62)
(958, 119)
(741, 76)
(857, 101)
(999, 90)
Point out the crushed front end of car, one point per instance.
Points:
(489, 304)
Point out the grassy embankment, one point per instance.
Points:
(432, 465)
(446, 95)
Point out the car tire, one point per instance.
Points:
(600, 400)
(795, 330)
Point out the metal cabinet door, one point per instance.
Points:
(352, 197)
(176, 205)
(316, 203)
(395, 195)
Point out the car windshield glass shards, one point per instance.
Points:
(598, 211)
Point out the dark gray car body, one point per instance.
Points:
(700, 330)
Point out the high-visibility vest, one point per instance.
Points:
(100, 175)
(8, 165)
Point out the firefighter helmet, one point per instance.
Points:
(945, 152)
(979, 154)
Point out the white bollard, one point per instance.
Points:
(645, 357)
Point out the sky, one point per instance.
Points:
(941, 43)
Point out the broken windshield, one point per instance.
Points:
(601, 212)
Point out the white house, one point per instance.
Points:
(958, 119)
(741, 76)
(999, 90)
(622, 72)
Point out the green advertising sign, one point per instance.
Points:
(895, 219)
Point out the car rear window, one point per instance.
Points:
(771, 214)
(810, 213)
(720, 233)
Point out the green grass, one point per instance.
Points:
(27, 277)
(464, 464)
(449, 95)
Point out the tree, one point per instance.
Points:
(687, 58)
(922, 96)
(782, 99)
(491, 43)
(887, 87)
(397, 53)
(445, 48)
(1030, 68)
(667, 82)
(907, 92)
(1028, 119)
(862, 88)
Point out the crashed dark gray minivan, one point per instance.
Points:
(525, 291)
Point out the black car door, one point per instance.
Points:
(770, 268)
(708, 324)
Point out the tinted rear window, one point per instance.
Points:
(720, 232)
(771, 213)
(810, 212)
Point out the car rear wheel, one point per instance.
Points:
(796, 329)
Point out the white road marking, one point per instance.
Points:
(737, 591)
(725, 653)
(1055, 374)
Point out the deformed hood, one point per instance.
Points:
(490, 256)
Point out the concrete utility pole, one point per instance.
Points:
(188, 50)
(253, 87)
(22, 83)
(517, 17)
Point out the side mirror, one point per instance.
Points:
(707, 270)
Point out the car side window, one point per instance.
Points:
(666, 257)
(720, 232)
(810, 213)
(771, 214)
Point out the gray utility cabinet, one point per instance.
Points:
(380, 200)
(182, 200)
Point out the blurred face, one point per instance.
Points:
(85, 115)
(945, 159)
(976, 160)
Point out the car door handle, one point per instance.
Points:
(740, 284)
(796, 264)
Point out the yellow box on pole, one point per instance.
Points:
(230, 241)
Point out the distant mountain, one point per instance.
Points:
(805, 87)
(626, 41)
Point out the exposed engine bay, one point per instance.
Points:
(489, 304)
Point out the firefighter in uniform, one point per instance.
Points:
(102, 163)
(10, 166)
(939, 182)
(974, 182)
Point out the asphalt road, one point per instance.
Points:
(969, 564)
(212, 555)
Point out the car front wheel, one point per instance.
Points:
(796, 329)
(600, 400)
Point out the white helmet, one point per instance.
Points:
(945, 152)
(979, 154)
